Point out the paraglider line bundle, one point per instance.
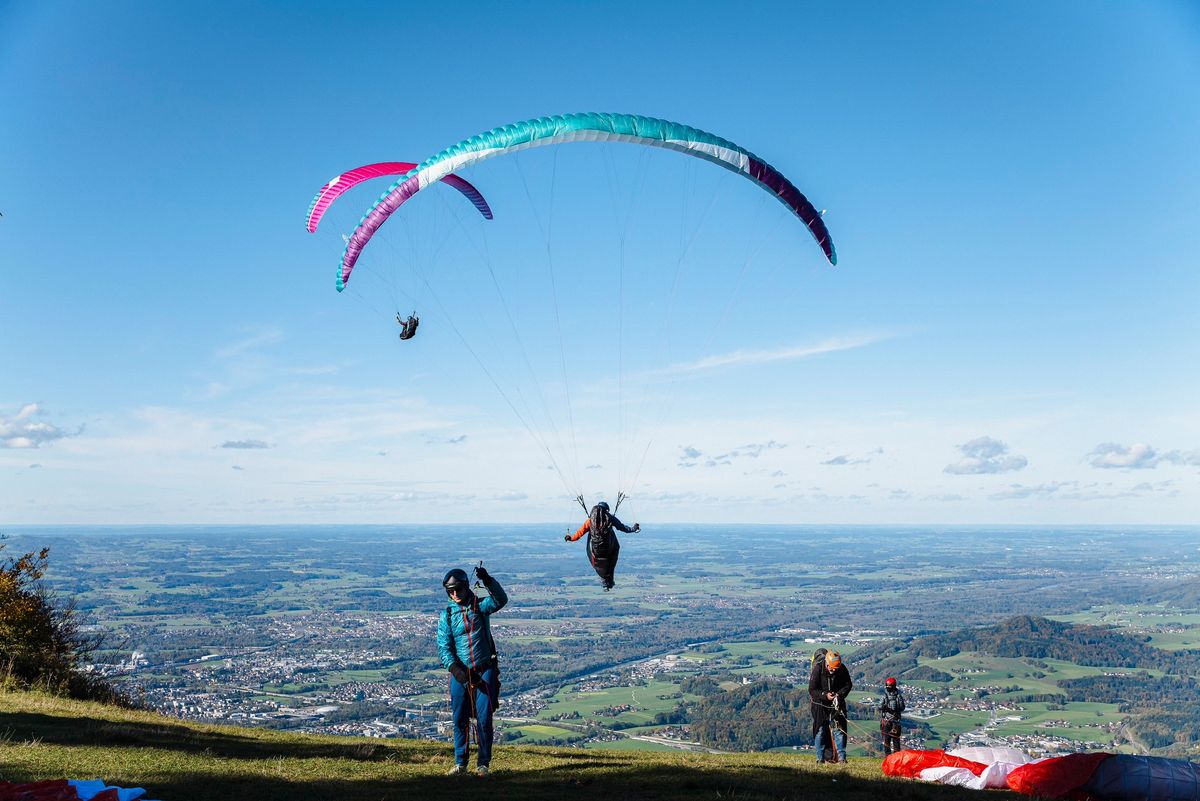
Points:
(859, 729)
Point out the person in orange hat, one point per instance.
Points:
(828, 686)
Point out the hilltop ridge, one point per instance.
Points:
(47, 737)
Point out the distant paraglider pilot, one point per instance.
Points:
(408, 328)
(467, 650)
(603, 548)
(828, 685)
(891, 707)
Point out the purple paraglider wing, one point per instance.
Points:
(332, 190)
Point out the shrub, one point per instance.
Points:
(41, 643)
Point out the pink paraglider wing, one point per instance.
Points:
(332, 190)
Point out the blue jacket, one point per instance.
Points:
(468, 637)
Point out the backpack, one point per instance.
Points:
(601, 520)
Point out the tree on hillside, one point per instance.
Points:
(41, 644)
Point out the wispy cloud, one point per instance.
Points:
(1078, 491)
(245, 444)
(23, 431)
(1188, 458)
(433, 439)
(325, 369)
(690, 456)
(259, 339)
(1021, 491)
(844, 459)
(742, 358)
(985, 455)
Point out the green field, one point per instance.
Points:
(629, 745)
(644, 699)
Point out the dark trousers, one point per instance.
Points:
(605, 562)
(477, 702)
(890, 731)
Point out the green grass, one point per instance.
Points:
(42, 737)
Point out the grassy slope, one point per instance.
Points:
(43, 737)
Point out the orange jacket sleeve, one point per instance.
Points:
(582, 530)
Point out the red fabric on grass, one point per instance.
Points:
(1057, 777)
(56, 790)
(910, 763)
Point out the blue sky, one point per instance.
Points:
(1010, 336)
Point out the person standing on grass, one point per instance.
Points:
(467, 650)
(891, 707)
(828, 686)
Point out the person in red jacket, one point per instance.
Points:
(603, 548)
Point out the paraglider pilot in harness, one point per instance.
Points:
(408, 328)
(603, 548)
(467, 650)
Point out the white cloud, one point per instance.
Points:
(245, 444)
(1020, 491)
(1111, 455)
(434, 439)
(984, 455)
(844, 459)
(753, 450)
(22, 431)
(1188, 458)
(691, 457)
(1063, 491)
(1138, 456)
